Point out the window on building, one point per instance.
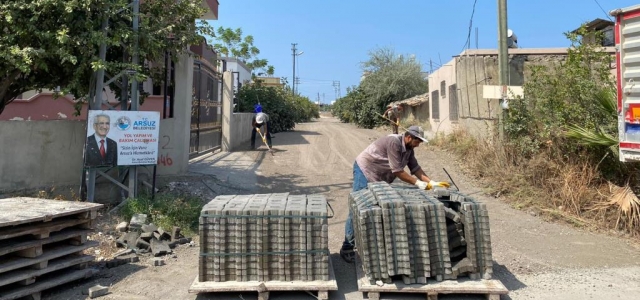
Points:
(443, 88)
(608, 39)
(435, 105)
(453, 102)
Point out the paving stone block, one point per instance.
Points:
(164, 235)
(157, 262)
(149, 228)
(122, 227)
(176, 233)
(159, 247)
(98, 291)
(137, 221)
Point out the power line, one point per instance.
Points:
(473, 11)
(608, 16)
(309, 79)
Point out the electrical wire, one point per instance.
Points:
(605, 12)
(473, 11)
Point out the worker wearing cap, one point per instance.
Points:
(385, 160)
(393, 114)
(258, 120)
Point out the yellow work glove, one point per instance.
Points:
(264, 140)
(258, 129)
(432, 184)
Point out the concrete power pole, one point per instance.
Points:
(503, 60)
(293, 79)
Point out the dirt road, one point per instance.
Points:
(533, 258)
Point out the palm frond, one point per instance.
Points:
(589, 137)
(607, 101)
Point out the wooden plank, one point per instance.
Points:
(13, 245)
(243, 286)
(42, 230)
(12, 263)
(54, 265)
(46, 284)
(459, 286)
(21, 210)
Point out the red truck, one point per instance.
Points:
(627, 40)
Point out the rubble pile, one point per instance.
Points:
(140, 237)
(403, 232)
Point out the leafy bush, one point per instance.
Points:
(283, 108)
(389, 78)
(563, 94)
(166, 211)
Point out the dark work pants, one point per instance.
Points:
(254, 133)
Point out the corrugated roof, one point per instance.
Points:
(597, 24)
(414, 101)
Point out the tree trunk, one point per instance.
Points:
(6, 96)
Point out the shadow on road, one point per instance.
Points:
(106, 277)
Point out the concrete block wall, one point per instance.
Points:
(477, 115)
(236, 127)
(40, 153)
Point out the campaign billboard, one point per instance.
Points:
(121, 138)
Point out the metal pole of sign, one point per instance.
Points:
(135, 60)
(96, 103)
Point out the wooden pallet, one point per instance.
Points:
(47, 282)
(491, 288)
(28, 247)
(22, 210)
(42, 261)
(41, 244)
(264, 287)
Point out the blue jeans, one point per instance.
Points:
(359, 183)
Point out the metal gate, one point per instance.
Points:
(206, 110)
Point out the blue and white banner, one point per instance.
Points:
(122, 138)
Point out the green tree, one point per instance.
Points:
(570, 105)
(390, 77)
(284, 109)
(231, 43)
(54, 43)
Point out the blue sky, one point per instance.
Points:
(336, 35)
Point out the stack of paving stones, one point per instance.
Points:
(369, 235)
(474, 218)
(264, 237)
(394, 225)
(318, 237)
(405, 233)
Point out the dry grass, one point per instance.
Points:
(625, 203)
(568, 189)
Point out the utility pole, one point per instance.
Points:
(293, 79)
(503, 60)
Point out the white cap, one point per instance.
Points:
(260, 118)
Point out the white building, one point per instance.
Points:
(242, 73)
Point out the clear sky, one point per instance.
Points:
(336, 35)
